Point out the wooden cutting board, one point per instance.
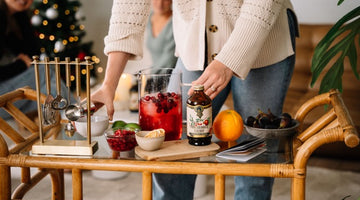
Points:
(177, 150)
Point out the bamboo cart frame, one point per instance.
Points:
(335, 125)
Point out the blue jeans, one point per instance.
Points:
(264, 88)
(27, 78)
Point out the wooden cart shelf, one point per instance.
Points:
(335, 125)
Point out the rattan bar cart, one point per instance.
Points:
(335, 125)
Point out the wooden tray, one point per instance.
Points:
(177, 150)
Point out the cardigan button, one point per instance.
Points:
(213, 56)
(213, 28)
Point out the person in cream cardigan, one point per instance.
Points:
(242, 46)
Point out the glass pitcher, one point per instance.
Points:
(160, 101)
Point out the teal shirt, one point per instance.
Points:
(162, 47)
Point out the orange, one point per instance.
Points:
(228, 125)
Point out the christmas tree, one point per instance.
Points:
(58, 25)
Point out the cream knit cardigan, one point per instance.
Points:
(250, 33)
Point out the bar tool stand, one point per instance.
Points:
(55, 146)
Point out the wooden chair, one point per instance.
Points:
(335, 125)
(20, 143)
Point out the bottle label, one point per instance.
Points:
(199, 121)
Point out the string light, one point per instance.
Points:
(83, 71)
(100, 70)
(50, 37)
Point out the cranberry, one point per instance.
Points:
(147, 98)
(153, 99)
(117, 132)
(166, 109)
(160, 95)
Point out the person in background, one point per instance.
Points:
(242, 46)
(159, 35)
(18, 44)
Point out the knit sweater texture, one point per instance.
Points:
(248, 33)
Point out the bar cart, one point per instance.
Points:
(335, 125)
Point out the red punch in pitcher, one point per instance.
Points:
(160, 101)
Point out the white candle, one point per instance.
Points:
(122, 90)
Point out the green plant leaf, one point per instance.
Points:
(340, 2)
(348, 27)
(333, 77)
(353, 59)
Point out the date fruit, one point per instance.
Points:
(269, 120)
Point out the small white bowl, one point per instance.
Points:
(98, 125)
(148, 143)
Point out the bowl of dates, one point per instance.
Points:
(267, 125)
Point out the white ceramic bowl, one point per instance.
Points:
(148, 143)
(98, 125)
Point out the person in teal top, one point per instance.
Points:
(159, 35)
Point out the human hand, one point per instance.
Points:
(106, 93)
(104, 96)
(25, 58)
(215, 78)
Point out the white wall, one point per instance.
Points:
(322, 11)
(98, 12)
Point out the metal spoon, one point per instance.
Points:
(48, 111)
(59, 103)
(69, 128)
(74, 112)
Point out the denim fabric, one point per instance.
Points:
(27, 78)
(264, 88)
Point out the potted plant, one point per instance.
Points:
(340, 40)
